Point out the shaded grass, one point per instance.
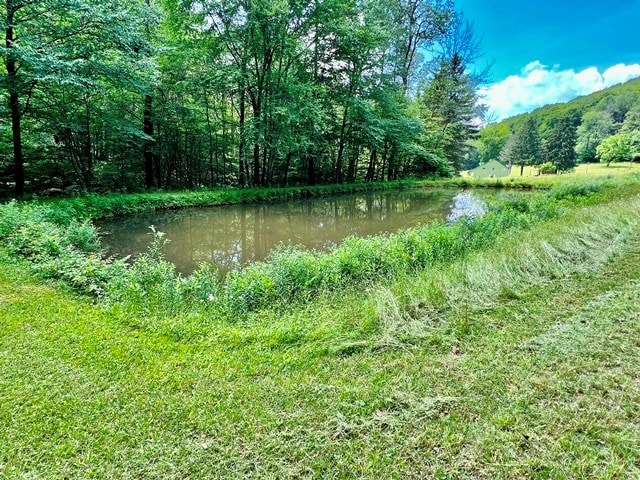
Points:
(539, 384)
(122, 204)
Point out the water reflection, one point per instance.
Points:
(232, 236)
(466, 205)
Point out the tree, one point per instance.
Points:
(523, 148)
(420, 25)
(491, 141)
(631, 122)
(595, 127)
(124, 94)
(450, 102)
(52, 45)
(616, 148)
(559, 145)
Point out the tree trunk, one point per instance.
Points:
(311, 170)
(147, 123)
(14, 100)
(256, 107)
(343, 129)
(373, 158)
(352, 169)
(88, 145)
(287, 165)
(241, 166)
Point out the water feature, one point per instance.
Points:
(233, 236)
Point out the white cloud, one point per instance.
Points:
(540, 85)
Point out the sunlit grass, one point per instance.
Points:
(582, 172)
(518, 362)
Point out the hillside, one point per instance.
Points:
(617, 100)
(564, 134)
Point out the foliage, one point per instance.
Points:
(123, 95)
(450, 102)
(69, 251)
(597, 116)
(616, 100)
(523, 148)
(595, 127)
(616, 148)
(547, 168)
(491, 141)
(559, 143)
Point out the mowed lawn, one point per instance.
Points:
(581, 172)
(542, 384)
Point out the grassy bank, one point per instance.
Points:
(111, 205)
(117, 205)
(584, 172)
(62, 247)
(516, 362)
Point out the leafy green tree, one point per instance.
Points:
(57, 49)
(547, 168)
(595, 127)
(491, 141)
(616, 148)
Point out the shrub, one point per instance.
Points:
(547, 168)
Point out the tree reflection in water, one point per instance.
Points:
(232, 236)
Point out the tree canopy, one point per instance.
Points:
(123, 94)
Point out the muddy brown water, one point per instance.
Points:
(233, 236)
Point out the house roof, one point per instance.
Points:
(492, 168)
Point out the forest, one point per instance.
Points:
(601, 127)
(123, 95)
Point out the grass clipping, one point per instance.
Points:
(577, 243)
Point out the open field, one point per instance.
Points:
(515, 361)
(583, 171)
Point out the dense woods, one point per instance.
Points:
(601, 127)
(124, 94)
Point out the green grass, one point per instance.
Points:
(96, 206)
(583, 172)
(517, 362)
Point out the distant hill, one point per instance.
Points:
(591, 119)
(617, 100)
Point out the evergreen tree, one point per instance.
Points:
(523, 148)
(559, 145)
(450, 102)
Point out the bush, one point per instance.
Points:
(547, 168)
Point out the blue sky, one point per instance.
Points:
(551, 51)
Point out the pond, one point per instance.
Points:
(232, 236)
